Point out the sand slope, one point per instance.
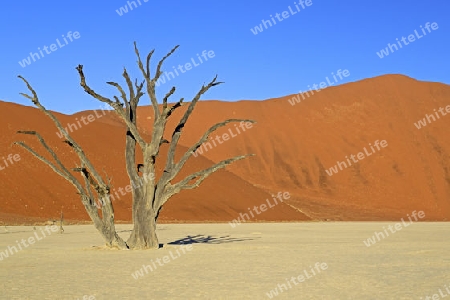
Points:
(32, 192)
(294, 145)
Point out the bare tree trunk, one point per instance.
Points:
(106, 226)
(144, 235)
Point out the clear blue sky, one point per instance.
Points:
(283, 59)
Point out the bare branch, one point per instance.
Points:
(173, 107)
(139, 92)
(118, 101)
(116, 105)
(75, 146)
(201, 175)
(177, 132)
(85, 199)
(203, 139)
(52, 153)
(91, 181)
(170, 93)
(90, 91)
(129, 83)
(149, 56)
(69, 177)
(63, 171)
(87, 185)
(122, 92)
(146, 74)
(150, 83)
(158, 69)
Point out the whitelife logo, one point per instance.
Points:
(411, 38)
(423, 122)
(436, 296)
(225, 137)
(53, 47)
(319, 87)
(263, 208)
(360, 156)
(187, 66)
(281, 287)
(398, 226)
(11, 159)
(165, 260)
(71, 127)
(284, 15)
(124, 9)
(5, 254)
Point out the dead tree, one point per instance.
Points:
(61, 220)
(150, 196)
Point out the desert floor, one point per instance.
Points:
(245, 262)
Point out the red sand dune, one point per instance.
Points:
(294, 145)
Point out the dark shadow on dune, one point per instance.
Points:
(203, 239)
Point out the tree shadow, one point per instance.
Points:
(203, 239)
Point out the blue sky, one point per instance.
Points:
(299, 51)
